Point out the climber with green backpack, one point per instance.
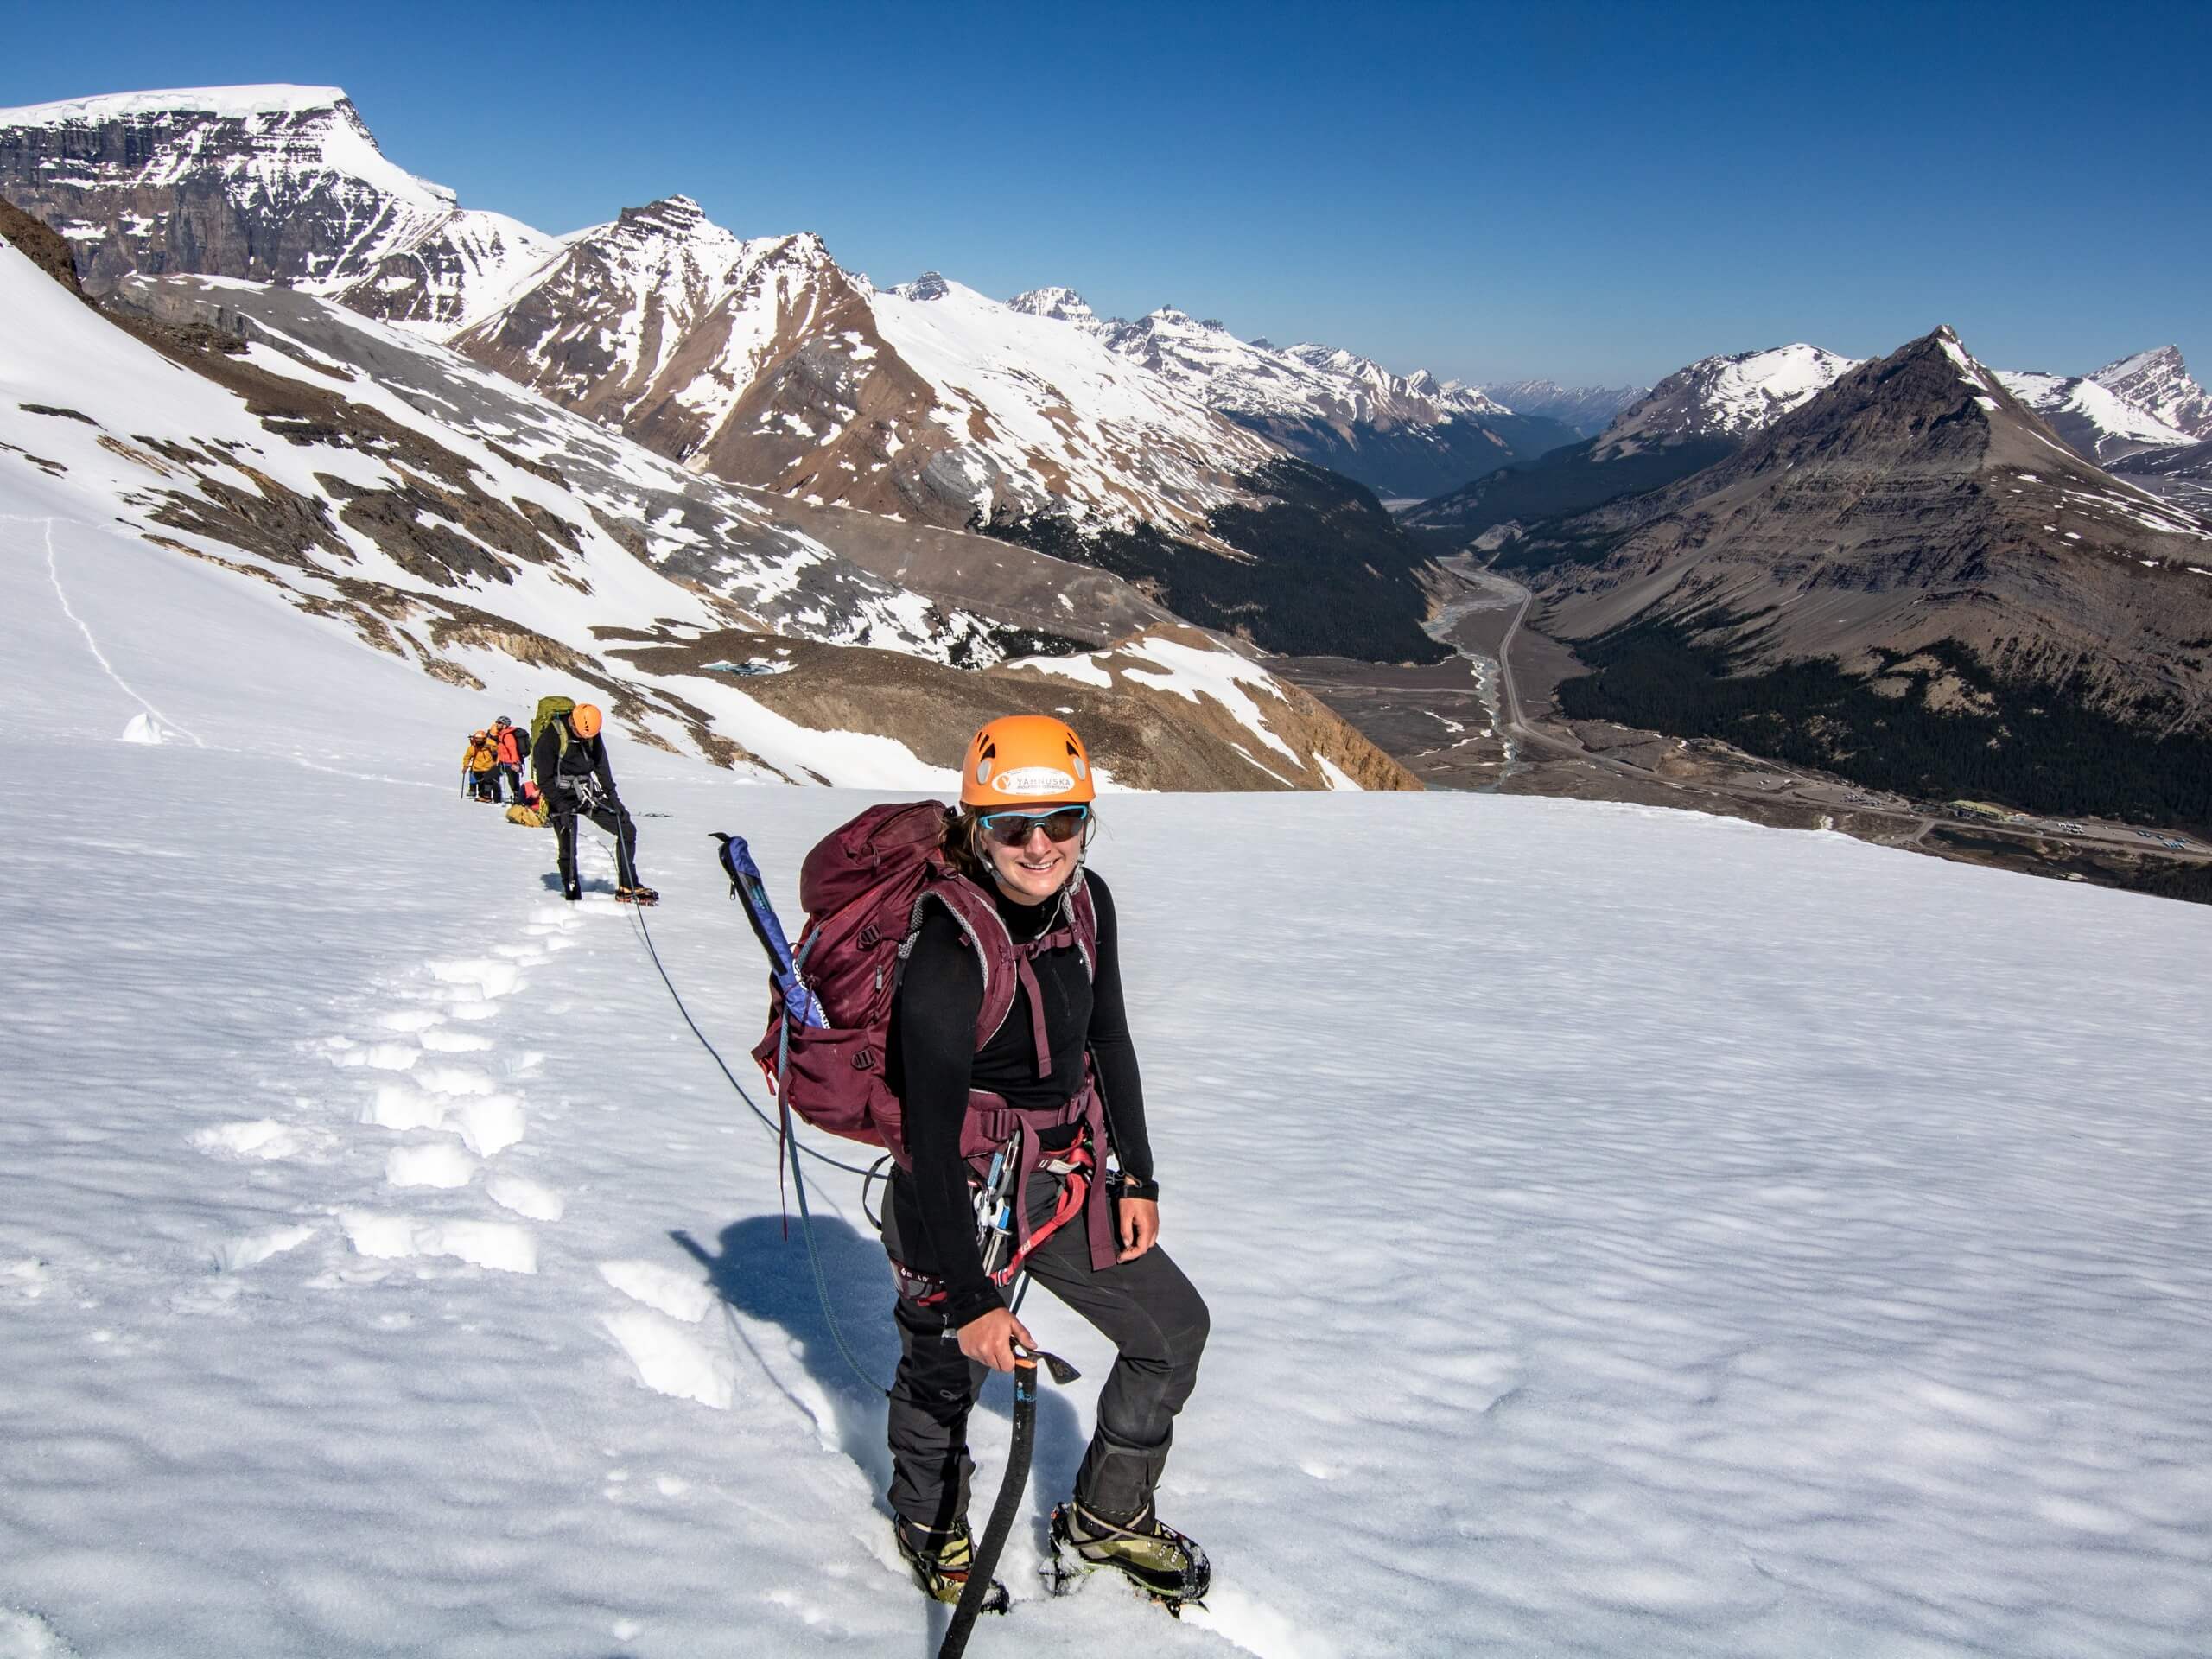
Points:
(568, 757)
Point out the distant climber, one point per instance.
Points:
(506, 743)
(479, 764)
(529, 811)
(569, 759)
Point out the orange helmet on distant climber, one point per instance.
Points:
(1024, 760)
(587, 719)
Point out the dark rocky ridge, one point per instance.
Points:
(1315, 567)
(1918, 543)
(1413, 462)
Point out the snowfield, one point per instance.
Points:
(1627, 1233)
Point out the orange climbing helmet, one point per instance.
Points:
(587, 719)
(1020, 759)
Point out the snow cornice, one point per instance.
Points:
(223, 103)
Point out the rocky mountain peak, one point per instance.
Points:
(673, 226)
(1062, 304)
(2158, 383)
(1729, 395)
(674, 215)
(277, 183)
(930, 285)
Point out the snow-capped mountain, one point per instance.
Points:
(2097, 422)
(597, 327)
(1728, 396)
(1401, 435)
(277, 184)
(1588, 410)
(2158, 383)
(763, 362)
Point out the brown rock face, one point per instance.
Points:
(39, 244)
(759, 363)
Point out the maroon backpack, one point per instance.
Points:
(866, 887)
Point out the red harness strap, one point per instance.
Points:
(1075, 1191)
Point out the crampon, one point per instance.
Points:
(1160, 1562)
(940, 1560)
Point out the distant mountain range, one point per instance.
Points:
(1913, 570)
(763, 363)
(1702, 413)
(1689, 420)
(1406, 437)
(1584, 410)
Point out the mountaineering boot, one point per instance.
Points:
(1160, 1560)
(636, 896)
(573, 894)
(940, 1561)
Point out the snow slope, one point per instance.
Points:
(1031, 395)
(1258, 381)
(1707, 1241)
(2099, 424)
(137, 424)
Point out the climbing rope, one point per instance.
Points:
(784, 1133)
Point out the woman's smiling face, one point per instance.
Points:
(1036, 866)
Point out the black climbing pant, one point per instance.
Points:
(617, 822)
(1151, 1314)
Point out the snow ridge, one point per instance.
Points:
(1253, 379)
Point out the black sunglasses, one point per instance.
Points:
(1012, 829)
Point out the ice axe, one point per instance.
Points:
(985, 1561)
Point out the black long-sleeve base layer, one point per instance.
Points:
(935, 1063)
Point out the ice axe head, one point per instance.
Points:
(1063, 1373)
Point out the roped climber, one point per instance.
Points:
(570, 765)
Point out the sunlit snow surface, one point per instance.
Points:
(1627, 1233)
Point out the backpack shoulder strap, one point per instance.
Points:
(1081, 911)
(985, 931)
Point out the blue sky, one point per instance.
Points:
(1593, 192)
